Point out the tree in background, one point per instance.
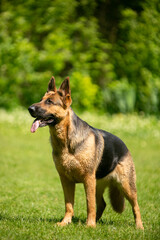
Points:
(110, 49)
(39, 39)
(136, 57)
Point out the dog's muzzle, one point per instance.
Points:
(32, 110)
(42, 119)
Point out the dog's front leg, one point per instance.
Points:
(90, 189)
(68, 189)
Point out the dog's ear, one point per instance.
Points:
(52, 85)
(65, 88)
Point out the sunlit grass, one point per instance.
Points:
(31, 197)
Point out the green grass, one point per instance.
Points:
(31, 197)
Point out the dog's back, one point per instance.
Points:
(112, 150)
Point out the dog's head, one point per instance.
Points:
(53, 107)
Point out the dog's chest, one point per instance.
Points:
(68, 165)
(74, 158)
(74, 166)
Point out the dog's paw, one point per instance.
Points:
(139, 225)
(91, 224)
(62, 224)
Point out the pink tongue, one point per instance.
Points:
(35, 125)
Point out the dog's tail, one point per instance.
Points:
(116, 198)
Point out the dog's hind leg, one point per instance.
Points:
(100, 200)
(69, 190)
(127, 182)
(131, 196)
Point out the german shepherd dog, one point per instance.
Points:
(84, 154)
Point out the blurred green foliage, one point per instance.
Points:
(39, 39)
(136, 55)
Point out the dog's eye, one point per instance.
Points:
(49, 101)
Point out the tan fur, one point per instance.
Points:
(75, 166)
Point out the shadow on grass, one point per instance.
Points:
(116, 223)
(75, 220)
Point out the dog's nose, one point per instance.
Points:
(32, 109)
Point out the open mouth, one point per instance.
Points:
(41, 123)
